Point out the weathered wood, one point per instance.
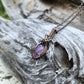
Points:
(19, 37)
(63, 63)
(54, 13)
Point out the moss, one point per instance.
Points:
(3, 12)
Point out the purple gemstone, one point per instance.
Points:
(39, 49)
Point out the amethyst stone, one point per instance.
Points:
(39, 50)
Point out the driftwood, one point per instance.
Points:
(18, 9)
(63, 63)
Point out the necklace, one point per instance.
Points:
(42, 47)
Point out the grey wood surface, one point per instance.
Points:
(63, 63)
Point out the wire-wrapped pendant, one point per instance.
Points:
(42, 47)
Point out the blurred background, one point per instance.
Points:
(3, 12)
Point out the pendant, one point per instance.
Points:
(40, 50)
(42, 47)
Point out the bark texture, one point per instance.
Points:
(63, 63)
